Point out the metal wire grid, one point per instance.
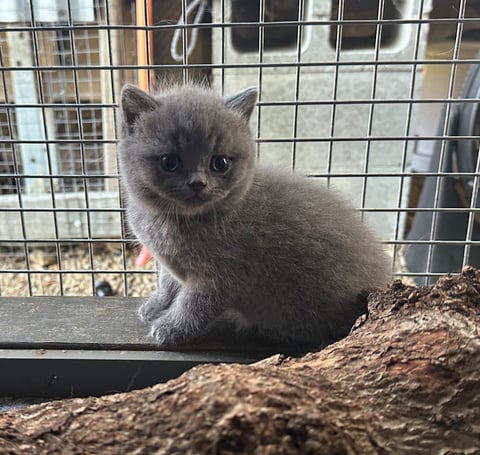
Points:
(58, 88)
(88, 141)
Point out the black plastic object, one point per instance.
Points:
(453, 192)
(103, 289)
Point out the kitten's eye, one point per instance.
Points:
(170, 162)
(220, 164)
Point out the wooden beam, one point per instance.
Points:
(80, 346)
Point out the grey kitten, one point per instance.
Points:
(281, 253)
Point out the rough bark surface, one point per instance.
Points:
(405, 381)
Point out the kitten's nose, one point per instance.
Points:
(197, 185)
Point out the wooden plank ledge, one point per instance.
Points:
(80, 346)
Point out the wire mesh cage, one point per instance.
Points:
(367, 96)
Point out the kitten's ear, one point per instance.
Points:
(134, 101)
(243, 102)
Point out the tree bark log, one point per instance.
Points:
(406, 380)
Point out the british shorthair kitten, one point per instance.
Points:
(278, 253)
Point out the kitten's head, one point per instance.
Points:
(186, 151)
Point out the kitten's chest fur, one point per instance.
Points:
(190, 248)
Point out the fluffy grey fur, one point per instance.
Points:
(281, 252)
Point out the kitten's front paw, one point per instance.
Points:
(151, 308)
(167, 334)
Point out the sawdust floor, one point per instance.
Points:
(75, 271)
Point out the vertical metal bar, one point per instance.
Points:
(52, 165)
(149, 41)
(114, 83)
(42, 119)
(448, 107)
(298, 56)
(185, 71)
(378, 39)
(222, 51)
(261, 43)
(338, 48)
(403, 164)
(82, 146)
(108, 83)
(18, 187)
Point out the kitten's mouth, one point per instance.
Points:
(192, 203)
(196, 200)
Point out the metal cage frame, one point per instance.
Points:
(86, 217)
